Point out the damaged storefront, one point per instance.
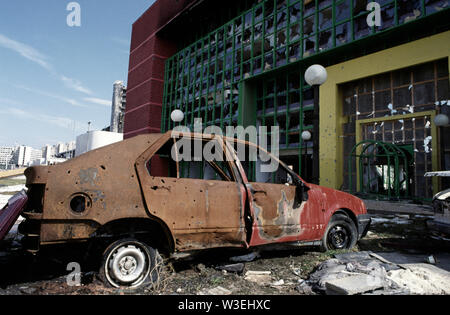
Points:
(242, 63)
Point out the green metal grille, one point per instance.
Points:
(203, 80)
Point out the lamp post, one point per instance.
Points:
(441, 120)
(315, 76)
(177, 116)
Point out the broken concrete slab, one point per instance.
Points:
(259, 277)
(352, 285)
(422, 279)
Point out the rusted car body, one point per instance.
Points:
(125, 189)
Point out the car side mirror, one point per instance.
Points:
(301, 194)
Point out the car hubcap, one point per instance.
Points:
(127, 265)
(338, 237)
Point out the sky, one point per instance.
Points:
(54, 78)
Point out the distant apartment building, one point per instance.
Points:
(18, 156)
(7, 157)
(26, 156)
(61, 152)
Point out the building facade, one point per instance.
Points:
(242, 63)
(7, 160)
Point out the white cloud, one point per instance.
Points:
(61, 122)
(75, 85)
(37, 57)
(98, 101)
(26, 51)
(67, 100)
(121, 41)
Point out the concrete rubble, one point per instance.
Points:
(379, 273)
(259, 277)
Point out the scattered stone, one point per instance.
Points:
(431, 260)
(304, 288)
(278, 283)
(215, 291)
(28, 290)
(296, 271)
(259, 277)
(201, 268)
(353, 285)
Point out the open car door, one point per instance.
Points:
(11, 212)
(200, 200)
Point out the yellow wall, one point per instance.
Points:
(331, 103)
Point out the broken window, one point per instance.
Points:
(408, 91)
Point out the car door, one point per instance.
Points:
(200, 201)
(278, 203)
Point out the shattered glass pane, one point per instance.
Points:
(409, 10)
(294, 52)
(342, 33)
(309, 46)
(281, 38)
(443, 92)
(402, 97)
(359, 6)
(326, 40)
(257, 33)
(325, 18)
(423, 72)
(257, 66)
(237, 26)
(269, 25)
(268, 8)
(258, 13)
(308, 7)
(324, 3)
(309, 26)
(424, 94)
(268, 62)
(343, 11)
(294, 13)
(257, 48)
(436, 5)
(294, 33)
(282, 19)
(361, 28)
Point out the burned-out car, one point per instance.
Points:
(133, 200)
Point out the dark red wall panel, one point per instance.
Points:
(146, 69)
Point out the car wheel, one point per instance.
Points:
(130, 264)
(341, 233)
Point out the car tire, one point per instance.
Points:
(130, 264)
(341, 233)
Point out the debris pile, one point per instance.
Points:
(373, 273)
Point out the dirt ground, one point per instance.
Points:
(284, 270)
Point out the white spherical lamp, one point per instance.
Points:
(316, 75)
(306, 135)
(177, 116)
(441, 120)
